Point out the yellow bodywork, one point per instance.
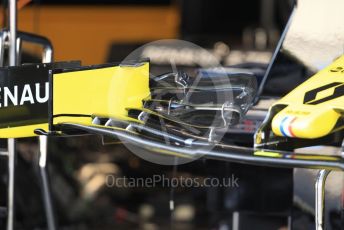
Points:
(313, 109)
(22, 131)
(80, 95)
(105, 92)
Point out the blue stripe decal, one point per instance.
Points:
(281, 126)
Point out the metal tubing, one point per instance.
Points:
(39, 40)
(13, 32)
(320, 199)
(11, 142)
(2, 48)
(18, 51)
(47, 54)
(3, 45)
(49, 212)
(46, 58)
(11, 180)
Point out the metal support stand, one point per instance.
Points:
(49, 211)
(11, 142)
(11, 175)
(12, 32)
(47, 55)
(12, 40)
(320, 199)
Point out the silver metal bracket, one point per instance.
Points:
(320, 199)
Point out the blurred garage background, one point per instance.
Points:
(99, 31)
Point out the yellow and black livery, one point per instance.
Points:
(311, 114)
(42, 96)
